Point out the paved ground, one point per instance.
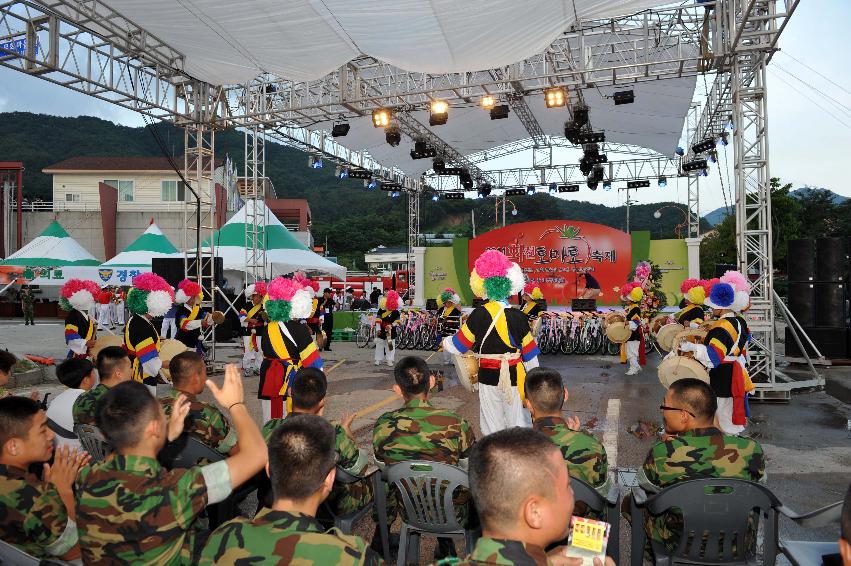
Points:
(807, 441)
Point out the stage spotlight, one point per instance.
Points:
(638, 184)
(580, 116)
(381, 117)
(585, 166)
(344, 173)
(435, 197)
(703, 173)
(607, 185)
(530, 190)
(554, 97)
(438, 165)
(513, 212)
(694, 165)
(466, 180)
(422, 150)
(393, 135)
(553, 188)
(663, 181)
(488, 102)
(395, 194)
(713, 157)
(624, 97)
(315, 162)
(515, 192)
(372, 184)
(592, 184)
(722, 139)
(680, 151)
(730, 126)
(572, 131)
(340, 130)
(453, 196)
(439, 113)
(499, 112)
(590, 137)
(705, 145)
(568, 189)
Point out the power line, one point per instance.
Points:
(840, 87)
(793, 87)
(811, 87)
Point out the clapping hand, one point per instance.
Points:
(66, 464)
(573, 423)
(231, 393)
(179, 410)
(346, 423)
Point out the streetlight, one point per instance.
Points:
(678, 229)
(503, 200)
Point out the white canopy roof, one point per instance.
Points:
(150, 244)
(228, 43)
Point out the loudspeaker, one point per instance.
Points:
(831, 342)
(171, 269)
(802, 302)
(801, 260)
(830, 305)
(831, 258)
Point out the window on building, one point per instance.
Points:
(168, 191)
(125, 191)
(72, 197)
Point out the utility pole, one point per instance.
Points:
(628, 204)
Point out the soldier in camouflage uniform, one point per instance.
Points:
(309, 387)
(27, 301)
(302, 461)
(693, 448)
(521, 489)
(585, 455)
(114, 367)
(131, 510)
(36, 515)
(204, 421)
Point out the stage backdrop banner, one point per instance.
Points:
(57, 276)
(553, 253)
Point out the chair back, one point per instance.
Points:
(719, 517)
(187, 451)
(426, 490)
(582, 492)
(93, 441)
(11, 555)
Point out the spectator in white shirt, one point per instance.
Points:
(78, 375)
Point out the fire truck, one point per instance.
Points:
(364, 283)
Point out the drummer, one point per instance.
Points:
(633, 293)
(387, 321)
(253, 322)
(692, 315)
(191, 319)
(77, 297)
(150, 297)
(499, 337)
(724, 351)
(449, 317)
(533, 302)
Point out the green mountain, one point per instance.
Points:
(352, 218)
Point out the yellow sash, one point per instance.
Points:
(501, 328)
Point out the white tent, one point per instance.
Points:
(52, 248)
(284, 254)
(152, 243)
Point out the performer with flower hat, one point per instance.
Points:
(499, 336)
(77, 297)
(448, 317)
(315, 317)
(533, 302)
(191, 319)
(633, 293)
(694, 293)
(287, 345)
(253, 321)
(150, 297)
(387, 321)
(724, 351)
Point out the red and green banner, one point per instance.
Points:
(553, 253)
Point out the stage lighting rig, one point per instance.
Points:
(466, 180)
(624, 97)
(580, 115)
(568, 188)
(515, 192)
(499, 112)
(638, 184)
(705, 145)
(663, 181)
(315, 162)
(343, 173)
(572, 131)
(531, 190)
(340, 130)
(453, 196)
(694, 165)
(722, 139)
(590, 137)
(680, 151)
(393, 135)
(439, 113)
(391, 187)
(435, 196)
(438, 165)
(488, 102)
(555, 97)
(360, 174)
(381, 117)
(372, 184)
(607, 185)
(422, 150)
(553, 188)
(485, 190)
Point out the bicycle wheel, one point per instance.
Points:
(544, 342)
(613, 349)
(362, 337)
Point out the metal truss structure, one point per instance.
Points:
(254, 193)
(87, 47)
(413, 235)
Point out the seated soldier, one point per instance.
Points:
(131, 510)
(114, 367)
(37, 515)
(309, 387)
(302, 461)
(522, 493)
(584, 454)
(419, 431)
(79, 376)
(845, 531)
(204, 421)
(693, 448)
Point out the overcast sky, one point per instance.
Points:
(808, 144)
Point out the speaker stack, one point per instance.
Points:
(818, 295)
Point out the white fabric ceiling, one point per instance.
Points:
(227, 42)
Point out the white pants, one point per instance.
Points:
(119, 313)
(724, 417)
(632, 354)
(447, 358)
(496, 414)
(104, 316)
(266, 409)
(169, 324)
(251, 359)
(383, 351)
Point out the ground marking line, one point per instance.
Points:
(335, 366)
(610, 437)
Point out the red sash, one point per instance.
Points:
(276, 376)
(738, 389)
(494, 364)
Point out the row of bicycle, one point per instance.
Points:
(418, 330)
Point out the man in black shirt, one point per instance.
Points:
(328, 317)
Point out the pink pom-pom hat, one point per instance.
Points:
(283, 289)
(75, 285)
(189, 288)
(392, 300)
(152, 282)
(260, 287)
(737, 280)
(688, 284)
(492, 263)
